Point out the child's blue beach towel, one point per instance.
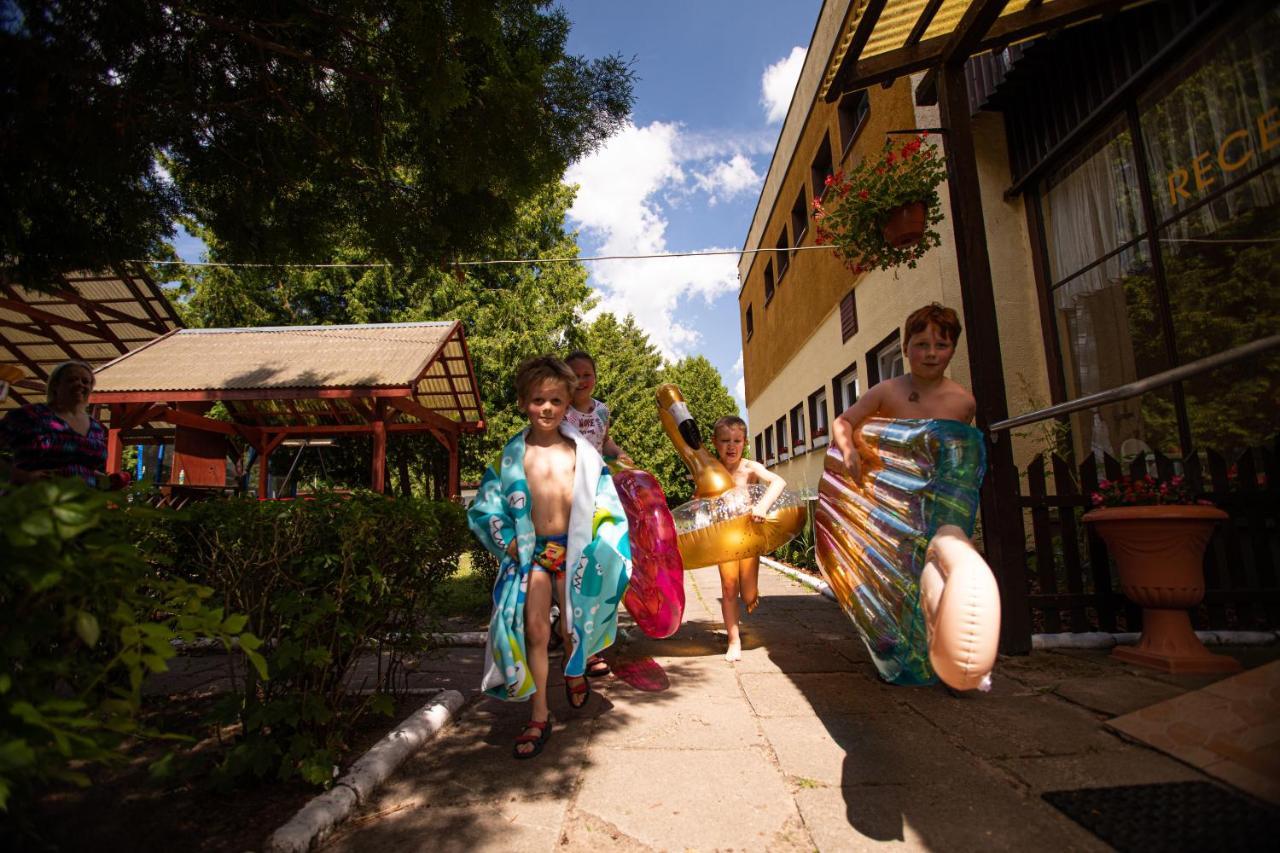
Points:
(597, 563)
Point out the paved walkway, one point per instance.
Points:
(797, 747)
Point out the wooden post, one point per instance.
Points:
(114, 443)
(1003, 537)
(379, 474)
(455, 484)
(264, 465)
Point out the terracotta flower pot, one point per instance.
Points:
(905, 225)
(1159, 551)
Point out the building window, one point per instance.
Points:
(889, 359)
(821, 168)
(818, 414)
(768, 445)
(780, 430)
(1128, 303)
(797, 428)
(800, 217)
(760, 446)
(768, 282)
(853, 111)
(751, 325)
(848, 317)
(783, 255)
(845, 389)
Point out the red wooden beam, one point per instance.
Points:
(99, 307)
(378, 474)
(44, 318)
(422, 413)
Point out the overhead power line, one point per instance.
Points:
(488, 261)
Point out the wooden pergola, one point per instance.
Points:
(880, 41)
(90, 316)
(291, 382)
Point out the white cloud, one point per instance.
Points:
(618, 206)
(778, 82)
(729, 179)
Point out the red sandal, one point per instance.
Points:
(597, 667)
(581, 689)
(539, 740)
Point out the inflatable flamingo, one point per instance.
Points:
(895, 549)
(655, 596)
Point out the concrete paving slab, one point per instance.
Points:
(1115, 694)
(937, 818)
(521, 826)
(1130, 765)
(880, 749)
(472, 763)
(678, 800)
(684, 721)
(1012, 724)
(808, 693)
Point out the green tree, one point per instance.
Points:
(510, 312)
(413, 128)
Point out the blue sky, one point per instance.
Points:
(714, 79)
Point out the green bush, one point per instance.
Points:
(322, 580)
(83, 620)
(800, 551)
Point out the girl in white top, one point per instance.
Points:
(588, 414)
(591, 417)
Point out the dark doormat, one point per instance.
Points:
(1191, 816)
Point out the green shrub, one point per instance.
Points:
(83, 620)
(322, 580)
(800, 551)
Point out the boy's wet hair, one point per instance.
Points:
(533, 371)
(580, 354)
(933, 314)
(730, 421)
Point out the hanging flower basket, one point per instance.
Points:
(905, 225)
(880, 215)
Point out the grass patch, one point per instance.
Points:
(464, 599)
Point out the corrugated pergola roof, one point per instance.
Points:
(885, 39)
(308, 376)
(91, 316)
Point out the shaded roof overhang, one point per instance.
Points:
(882, 40)
(299, 380)
(87, 316)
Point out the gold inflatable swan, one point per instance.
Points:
(716, 526)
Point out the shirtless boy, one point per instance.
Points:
(931, 334)
(742, 576)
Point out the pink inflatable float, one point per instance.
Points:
(655, 596)
(895, 549)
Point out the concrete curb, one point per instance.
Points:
(1084, 640)
(462, 638)
(317, 819)
(1102, 640)
(816, 584)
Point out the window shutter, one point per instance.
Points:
(848, 317)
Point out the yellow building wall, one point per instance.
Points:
(798, 349)
(815, 281)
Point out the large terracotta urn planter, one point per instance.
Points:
(905, 225)
(1159, 551)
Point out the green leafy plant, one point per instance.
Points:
(801, 551)
(84, 619)
(323, 580)
(853, 209)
